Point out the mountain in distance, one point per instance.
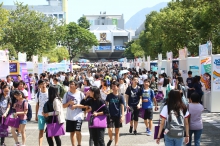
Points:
(138, 19)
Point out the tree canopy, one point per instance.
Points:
(185, 23)
(82, 22)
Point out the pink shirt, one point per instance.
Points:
(19, 108)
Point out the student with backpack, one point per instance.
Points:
(195, 121)
(53, 106)
(133, 103)
(21, 108)
(147, 99)
(5, 104)
(115, 103)
(41, 98)
(176, 116)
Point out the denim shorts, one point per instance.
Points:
(23, 122)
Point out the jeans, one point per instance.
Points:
(98, 136)
(173, 141)
(197, 136)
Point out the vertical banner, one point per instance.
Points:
(205, 49)
(22, 57)
(205, 68)
(183, 53)
(35, 63)
(169, 63)
(4, 55)
(159, 63)
(44, 62)
(216, 73)
(175, 64)
(25, 77)
(148, 63)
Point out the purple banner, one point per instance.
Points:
(25, 77)
(13, 67)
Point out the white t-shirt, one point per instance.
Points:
(103, 95)
(25, 92)
(42, 99)
(62, 78)
(127, 81)
(91, 80)
(160, 86)
(97, 83)
(141, 81)
(76, 114)
(164, 113)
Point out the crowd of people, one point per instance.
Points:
(102, 92)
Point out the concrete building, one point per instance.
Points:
(55, 8)
(109, 31)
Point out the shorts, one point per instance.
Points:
(41, 122)
(72, 126)
(134, 113)
(114, 122)
(148, 114)
(24, 122)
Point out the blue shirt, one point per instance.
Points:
(149, 95)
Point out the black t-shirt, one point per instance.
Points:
(95, 105)
(115, 102)
(189, 82)
(133, 95)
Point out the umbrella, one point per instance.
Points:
(123, 72)
(76, 66)
(83, 61)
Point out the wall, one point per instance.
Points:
(120, 40)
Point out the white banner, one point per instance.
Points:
(35, 59)
(22, 57)
(4, 55)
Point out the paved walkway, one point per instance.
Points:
(210, 136)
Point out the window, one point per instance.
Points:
(55, 15)
(60, 16)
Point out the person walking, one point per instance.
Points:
(115, 103)
(174, 111)
(147, 99)
(74, 115)
(21, 108)
(53, 107)
(132, 95)
(41, 98)
(95, 101)
(5, 104)
(195, 122)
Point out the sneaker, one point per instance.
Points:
(149, 133)
(131, 129)
(19, 134)
(135, 132)
(109, 143)
(17, 144)
(147, 130)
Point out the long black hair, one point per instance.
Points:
(175, 103)
(52, 93)
(97, 94)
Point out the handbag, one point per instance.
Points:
(159, 96)
(13, 122)
(55, 129)
(156, 131)
(3, 129)
(141, 113)
(98, 121)
(128, 117)
(88, 116)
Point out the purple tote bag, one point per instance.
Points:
(55, 129)
(156, 131)
(88, 116)
(141, 113)
(13, 122)
(159, 96)
(98, 121)
(3, 129)
(128, 116)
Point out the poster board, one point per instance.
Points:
(14, 68)
(5, 69)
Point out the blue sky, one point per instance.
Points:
(77, 8)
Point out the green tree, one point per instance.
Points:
(82, 22)
(30, 31)
(4, 17)
(78, 40)
(59, 54)
(127, 53)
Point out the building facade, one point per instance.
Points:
(55, 8)
(109, 31)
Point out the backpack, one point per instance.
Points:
(29, 113)
(175, 125)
